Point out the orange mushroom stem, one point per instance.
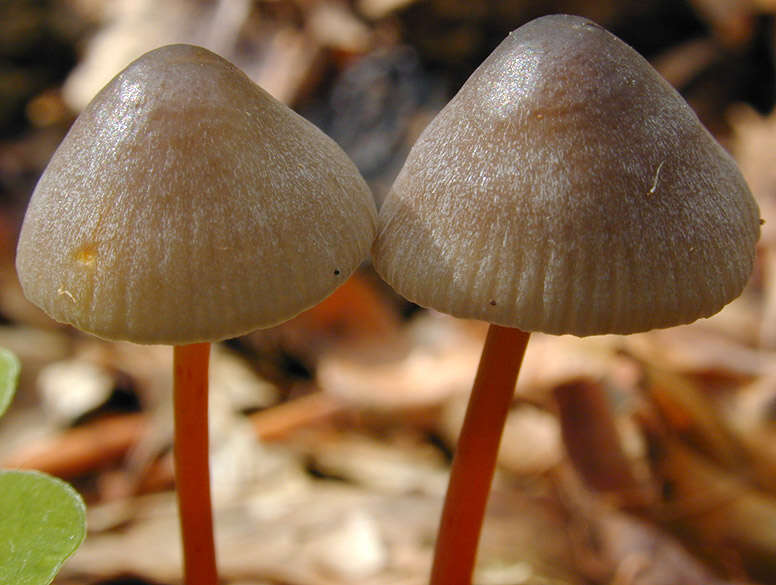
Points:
(192, 471)
(476, 454)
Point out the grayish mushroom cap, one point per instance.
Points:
(186, 204)
(568, 188)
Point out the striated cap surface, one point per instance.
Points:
(186, 204)
(568, 188)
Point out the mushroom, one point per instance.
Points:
(566, 188)
(186, 206)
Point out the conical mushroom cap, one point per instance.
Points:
(568, 188)
(186, 204)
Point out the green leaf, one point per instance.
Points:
(9, 377)
(42, 522)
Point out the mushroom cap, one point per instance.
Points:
(568, 188)
(186, 205)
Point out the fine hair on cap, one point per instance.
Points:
(568, 188)
(186, 204)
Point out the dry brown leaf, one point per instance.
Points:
(749, 413)
(593, 442)
(731, 22)
(730, 522)
(697, 349)
(552, 360)
(531, 443)
(69, 389)
(286, 547)
(434, 358)
(692, 415)
(83, 449)
(334, 26)
(638, 553)
(400, 466)
(377, 9)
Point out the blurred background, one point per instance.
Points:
(640, 460)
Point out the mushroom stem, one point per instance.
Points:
(475, 456)
(192, 474)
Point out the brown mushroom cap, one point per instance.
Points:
(186, 204)
(568, 188)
